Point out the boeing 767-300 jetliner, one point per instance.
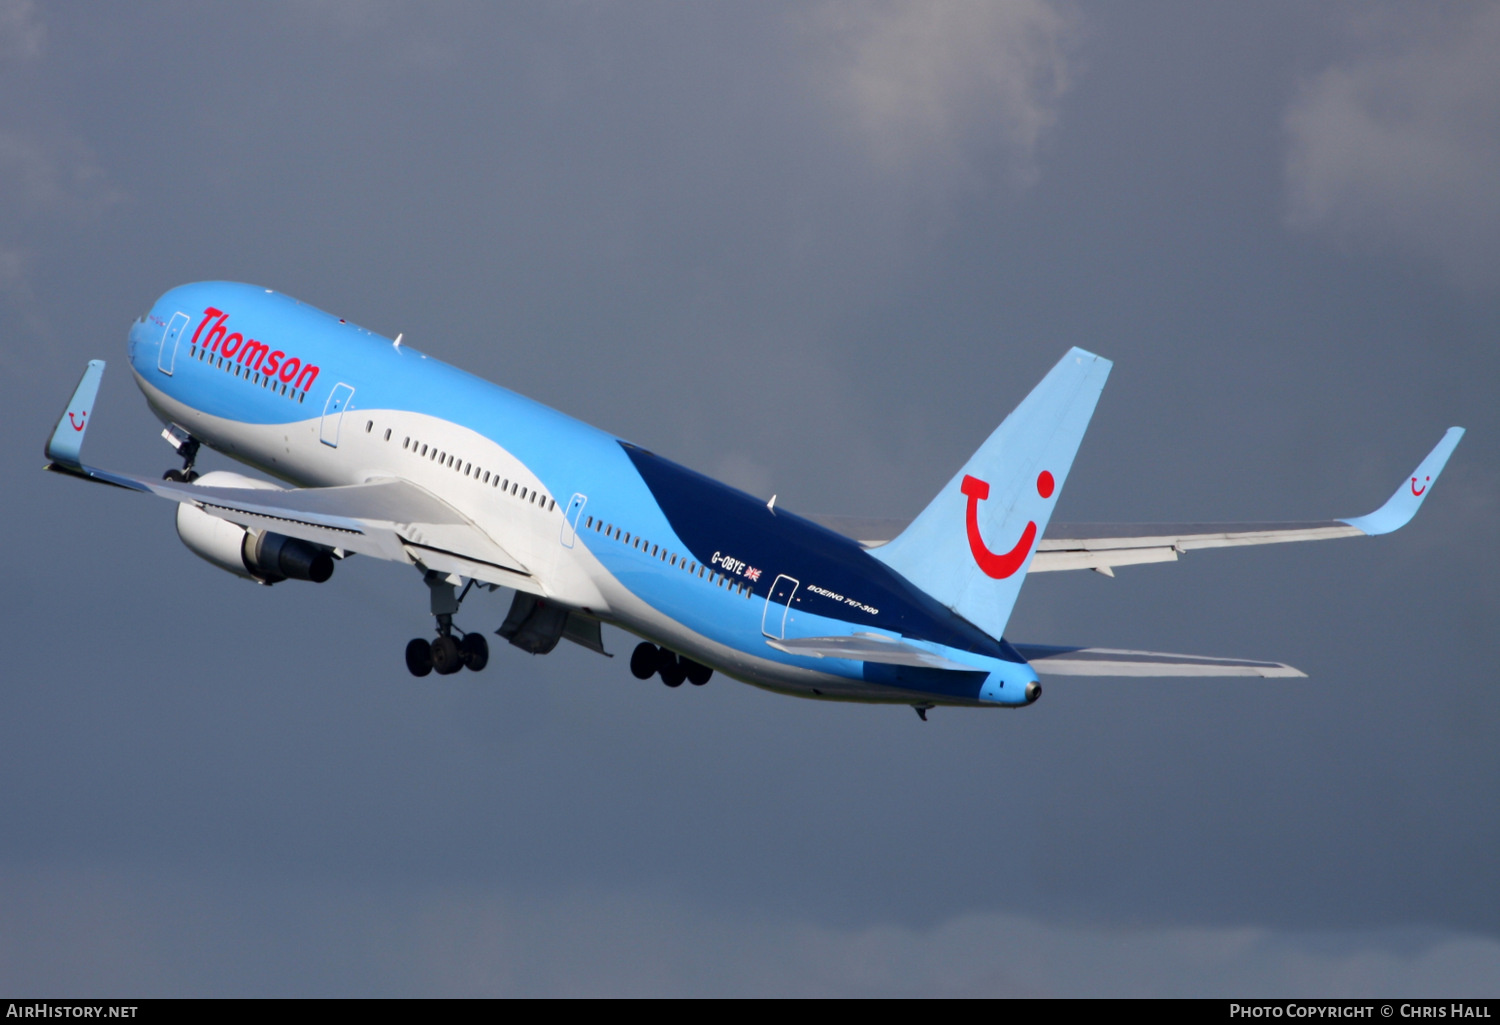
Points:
(393, 454)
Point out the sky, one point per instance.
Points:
(817, 250)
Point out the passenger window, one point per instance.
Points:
(369, 426)
(387, 434)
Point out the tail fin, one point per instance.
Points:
(1005, 492)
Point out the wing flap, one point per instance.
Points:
(1063, 661)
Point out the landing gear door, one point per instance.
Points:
(167, 358)
(333, 413)
(778, 607)
(570, 519)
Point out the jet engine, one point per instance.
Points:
(260, 555)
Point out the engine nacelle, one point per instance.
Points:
(259, 555)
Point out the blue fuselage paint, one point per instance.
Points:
(658, 549)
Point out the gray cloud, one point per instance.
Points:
(930, 81)
(82, 931)
(52, 177)
(1398, 146)
(22, 34)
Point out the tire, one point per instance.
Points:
(672, 673)
(175, 476)
(419, 657)
(697, 673)
(475, 651)
(447, 659)
(643, 661)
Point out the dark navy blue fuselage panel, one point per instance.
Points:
(837, 577)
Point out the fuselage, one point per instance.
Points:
(602, 526)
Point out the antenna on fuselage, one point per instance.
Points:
(397, 342)
(771, 505)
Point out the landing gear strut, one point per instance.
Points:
(187, 447)
(648, 660)
(448, 652)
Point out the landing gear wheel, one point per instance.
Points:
(175, 476)
(697, 673)
(447, 658)
(419, 657)
(644, 660)
(671, 670)
(475, 651)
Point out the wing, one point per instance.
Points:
(1054, 661)
(385, 518)
(1102, 547)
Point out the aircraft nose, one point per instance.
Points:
(1033, 691)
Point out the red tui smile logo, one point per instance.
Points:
(1423, 490)
(1002, 564)
(79, 423)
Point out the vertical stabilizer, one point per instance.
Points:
(970, 548)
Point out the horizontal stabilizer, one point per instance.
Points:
(1054, 661)
(865, 647)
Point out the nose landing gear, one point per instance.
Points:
(648, 660)
(448, 652)
(187, 447)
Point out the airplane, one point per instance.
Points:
(387, 452)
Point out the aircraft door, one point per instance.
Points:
(167, 358)
(773, 621)
(333, 413)
(570, 519)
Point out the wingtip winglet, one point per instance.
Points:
(65, 447)
(1403, 505)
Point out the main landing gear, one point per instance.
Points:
(448, 652)
(648, 660)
